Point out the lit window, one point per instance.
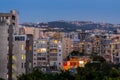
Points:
(82, 43)
(23, 47)
(14, 67)
(116, 40)
(112, 46)
(43, 41)
(81, 62)
(23, 56)
(30, 48)
(42, 50)
(14, 58)
(55, 41)
(53, 50)
(7, 76)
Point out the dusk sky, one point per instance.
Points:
(52, 10)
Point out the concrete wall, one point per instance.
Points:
(3, 50)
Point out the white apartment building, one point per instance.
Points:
(19, 56)
(47, 53)
(40, 52)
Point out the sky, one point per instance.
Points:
(69, 10)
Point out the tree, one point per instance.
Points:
(74, 53)
(91, 71)
(99, 59)
(114, 73)
(2, 79)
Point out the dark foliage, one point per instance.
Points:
(1, 79)
(100, 70)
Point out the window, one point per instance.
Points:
(54, 63)
(53, 50)
(7, 76)
(8, 30)
(41, 58)
(59, 50)
(16, 39)
(117, 54)
(22, 38)
(30, 48)
(23, 56)
(34, 58)
(42, 50)
(55, 41)
(7, 48)
(59, 63)
(35, 42)
(42, 41)
(8, 38)
(13, 17)
(19, 38)
(14, 58)
(13, 66)
(22, 65)
(23, 47)
(116, 46)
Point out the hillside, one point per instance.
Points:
(73, 25)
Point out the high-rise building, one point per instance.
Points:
(4, 48)
(18, 56)
(48, 54)
(8, 26)
(16, 48)
(67, 44)
(22, 56)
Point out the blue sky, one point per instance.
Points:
(51, 10)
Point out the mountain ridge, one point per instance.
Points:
(74, 25)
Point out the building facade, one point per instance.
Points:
(47, 54)
(15, 46)
(8, 27)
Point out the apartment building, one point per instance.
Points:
(15, 46)
(47, 54)
(8, 27)
(114, 48)
(67, 45)
(19, 56)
